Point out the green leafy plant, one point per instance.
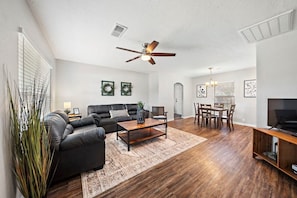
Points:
(140, 104)
(30, 144)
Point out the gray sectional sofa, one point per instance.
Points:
(108, 115)
(78, 146)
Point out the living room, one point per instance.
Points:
(80, 83)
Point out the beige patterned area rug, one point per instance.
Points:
(121, 164)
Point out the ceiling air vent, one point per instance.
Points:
(119, 30)
(273, 26)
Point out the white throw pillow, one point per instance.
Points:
(119, 113)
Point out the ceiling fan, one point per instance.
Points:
(147, 52)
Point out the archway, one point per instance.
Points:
(178, 100)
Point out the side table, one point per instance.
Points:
(73, 116)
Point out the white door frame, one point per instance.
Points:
(178, 99)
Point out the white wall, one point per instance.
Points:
(276, 71)
(13, 13)
(81, 85)
(245, 111)
(165, 91)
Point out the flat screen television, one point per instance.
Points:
(282, 114)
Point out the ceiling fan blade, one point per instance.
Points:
(129, 50)
(162, 54)
(152, 46)
(152, 61)
(133, 58)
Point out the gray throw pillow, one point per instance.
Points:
(118, 113)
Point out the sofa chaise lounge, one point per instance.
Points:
(108, 115)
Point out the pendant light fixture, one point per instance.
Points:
(211, 82)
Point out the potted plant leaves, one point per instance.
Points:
(30, 144)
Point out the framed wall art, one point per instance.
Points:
(126, 88)
(76, 111)
(201, 91)
(250, 88)
(107, 88)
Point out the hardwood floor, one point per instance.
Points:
(222, 166)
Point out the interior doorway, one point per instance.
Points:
(178, 100)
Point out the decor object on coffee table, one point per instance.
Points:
(126, 88)
(140, 113)
(107, 88)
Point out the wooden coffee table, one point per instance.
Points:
(135, 133)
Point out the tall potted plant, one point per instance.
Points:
(30, 144)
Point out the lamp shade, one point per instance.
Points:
(67, 105)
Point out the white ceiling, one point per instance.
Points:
(202, 33)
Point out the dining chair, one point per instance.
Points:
(206, 115)
(197, 113)
(218, 105)
(229, 117)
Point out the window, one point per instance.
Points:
(32, 66)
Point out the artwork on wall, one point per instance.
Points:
(224, 93)
(201, 91)
(126, 88)
(76, 111)
(224, 89)
(250, 88)
(107, 88)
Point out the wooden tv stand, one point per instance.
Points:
(286, 153)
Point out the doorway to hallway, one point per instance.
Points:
(178, 100)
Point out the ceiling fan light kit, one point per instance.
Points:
(147, 52)
(145, 57)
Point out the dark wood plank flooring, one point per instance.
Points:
(222, 166)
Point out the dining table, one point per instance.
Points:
(220, 111)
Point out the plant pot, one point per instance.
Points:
(140, 116)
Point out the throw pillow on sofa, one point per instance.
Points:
(119, 113)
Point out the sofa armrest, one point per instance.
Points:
(83, 122)
(96, 118)
(76, 140)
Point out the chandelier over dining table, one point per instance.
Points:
(211, 82)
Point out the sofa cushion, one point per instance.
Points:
(83, 122)
(118, 113)
(68, 130)
(55, 125)
(132, 109)
(104, 115)
(99, 109)
(107, 121)
(118, 107)
(122, 118)
(63, 115)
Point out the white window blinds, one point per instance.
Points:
(32, 67)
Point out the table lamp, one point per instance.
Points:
(67, 107)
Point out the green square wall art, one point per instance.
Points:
(126, 88)
(107, 88)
